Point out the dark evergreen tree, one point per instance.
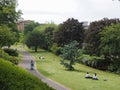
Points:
(69, 31)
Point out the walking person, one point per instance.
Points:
(32, 65)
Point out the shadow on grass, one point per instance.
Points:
(75, 70)
(46, 73)
(83, 71)
(40, 51)
(79, 71)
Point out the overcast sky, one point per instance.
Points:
(57, 11)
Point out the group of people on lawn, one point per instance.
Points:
(94, 77)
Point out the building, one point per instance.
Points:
(21, 24)
(85, 24)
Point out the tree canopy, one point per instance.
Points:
(92, 36)
(34, 39)
(70, 54)
(8, 14)
(68, 31)
(30, 27)
(110, 44)
(41, 36)
(7, 38)
(9, 17)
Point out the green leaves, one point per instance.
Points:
(39, 35)
(8, 13)
(93, 37)
(110, 45)
(9, 17)
(6, 36)
(70, 54)
(69, 31)
(110, 39)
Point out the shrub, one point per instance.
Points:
(56, 49)
(94, 61)
(5, 56)
(11, 52)
(14, 60)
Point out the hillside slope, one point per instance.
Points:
(13, 77)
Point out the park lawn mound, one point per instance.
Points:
(13, 77)
(51, 68)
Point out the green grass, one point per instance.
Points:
(13, 77)
(74, 80)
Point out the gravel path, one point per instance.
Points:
(27, 57)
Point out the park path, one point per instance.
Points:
(27, 57)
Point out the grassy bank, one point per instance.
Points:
(13, 77)
(51, 67)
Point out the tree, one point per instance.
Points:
(9, 16)
(41, 34)
(110, 45)
(21, 39)
(34, 39)
(30, 27)
(8, 12)
(92, 36)
(69, 31)
(48, 32)
(7, 38)
(70, 54)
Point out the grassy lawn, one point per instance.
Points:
(51, 67)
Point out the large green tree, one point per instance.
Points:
(41, 36)
(70, 54)
(68, 31)
(7, 37)
(9, 15)
(110, 45)
(30, 27)
(34, 39)
(92, 36)
(49, 30)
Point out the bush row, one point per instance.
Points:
(6, 56)
(11, 52)
(94, 61)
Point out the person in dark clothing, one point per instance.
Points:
(32, 64)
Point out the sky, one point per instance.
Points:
(58, 11)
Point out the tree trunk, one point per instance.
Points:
(35, 48)
(70, 66)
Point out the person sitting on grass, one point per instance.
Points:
(95, 77)
(41, 57)
(87, 75)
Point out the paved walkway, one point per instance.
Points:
(26, 64)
